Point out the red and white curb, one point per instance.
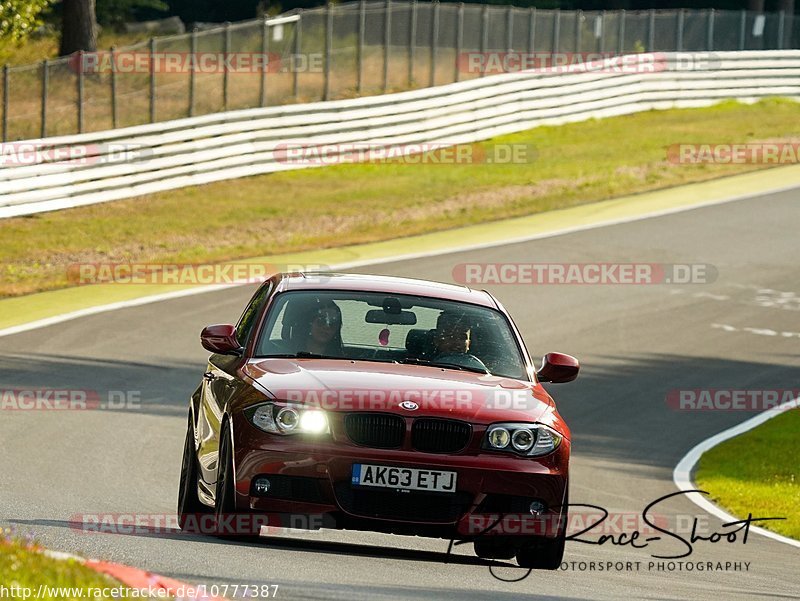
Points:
(136, 578)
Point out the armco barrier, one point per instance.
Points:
(128, 162)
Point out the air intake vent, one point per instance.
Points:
(440, 435)
(375, 430)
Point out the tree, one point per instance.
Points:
(18, 18)
(78, 27)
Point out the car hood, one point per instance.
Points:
(344, 385)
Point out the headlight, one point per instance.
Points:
(530, 440)
(285, 419)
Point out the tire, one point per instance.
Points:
(190, 507)
(542, 553)
(489, 548)
(225, 495)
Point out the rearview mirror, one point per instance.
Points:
(558, 368)
(403, 318)
(220, 338)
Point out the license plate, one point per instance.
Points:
(407, 478)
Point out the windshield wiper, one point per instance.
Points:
(303, 355)
(418, 361)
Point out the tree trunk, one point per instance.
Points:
(78, 27)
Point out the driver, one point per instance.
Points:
(452, 339)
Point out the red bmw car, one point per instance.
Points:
(382, 404)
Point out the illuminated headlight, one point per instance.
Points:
(279, 419)
(531, 440)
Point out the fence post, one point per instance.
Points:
(5, 103)
(484, 35)
(556, 29)
(152, 80)
(621, 48)
(679, 31)
(226, 51)
(192, 70)
(459, 41)
(651, 31)
(362, 23)
(80, 91)
(531, 29)
(578, 29)
(387, 32)
(412, 43)
(113, 87)
(433, 44)
(262, 95)
(45, 80)
(326, 91)
(781, 27)
(710, 32)
(509, 29)
(742, 29)
(298, 32)
(602, 40)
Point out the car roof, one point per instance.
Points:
(384, 284)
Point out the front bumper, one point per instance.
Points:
(311, 488)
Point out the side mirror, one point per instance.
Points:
(221, 339)
(558, 368)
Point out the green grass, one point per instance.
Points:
(758, 472)
(21, 566)
(349, 204)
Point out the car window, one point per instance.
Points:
(250, 314)
(379, 327)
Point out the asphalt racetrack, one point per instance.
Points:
(636, 344)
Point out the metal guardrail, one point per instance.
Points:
(84, 169)
(339, 51)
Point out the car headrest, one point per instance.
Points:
(418, 342)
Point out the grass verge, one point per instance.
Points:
(28, 569)
(757, 472)
(350, 204)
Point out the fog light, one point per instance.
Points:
(261, 486)
(537, 508)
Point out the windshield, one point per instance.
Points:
(372, 326)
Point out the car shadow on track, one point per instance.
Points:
(282, 543)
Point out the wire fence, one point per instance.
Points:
(347, 50)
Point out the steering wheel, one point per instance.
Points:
(464, 359)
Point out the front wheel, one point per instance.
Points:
(227, 522)
(190, 508)
(541, 553)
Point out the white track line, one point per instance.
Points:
(682, 475)
(49, 321)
